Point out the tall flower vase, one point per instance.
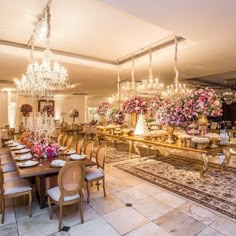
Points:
(203, 122)
(103, 119)
(170, 131)
(26, 114)
(73, 120)
(134, 118)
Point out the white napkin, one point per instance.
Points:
(58, 163)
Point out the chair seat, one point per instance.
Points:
(11, 176)
(5, 159)
(93, 173)
(16, 186)
(8, 168)
(55, 194)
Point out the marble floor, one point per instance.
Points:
(150, 211)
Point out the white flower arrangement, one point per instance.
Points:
(213, 135)
(184, 136)
(200, 140)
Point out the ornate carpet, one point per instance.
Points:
(181, 176)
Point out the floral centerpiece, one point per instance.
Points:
(74, 114)
(116, 116)
(48, 109)
(135, 105)
(156, 103)
(103, 108)
(51, 150)
(26, 108)
(202, 102)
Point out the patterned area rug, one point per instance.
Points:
(181, 176)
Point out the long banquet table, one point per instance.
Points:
(205, 155)
(42, 171)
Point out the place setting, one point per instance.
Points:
(24, 157)
(29, 163)
(57, 163)
(24, 150)
(17, 147)
(77, 157)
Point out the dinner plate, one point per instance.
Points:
(13, 144)
(18, 147)
(62, 148)
(25, 150)
(9, 142)
(58, 163)
(69, 152)
(28, 164)
(24, 157)
(77, 157)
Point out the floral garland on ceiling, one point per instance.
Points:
(135, 105)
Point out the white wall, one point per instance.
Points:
(3, 108)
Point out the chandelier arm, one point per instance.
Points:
(150, 64)
(132, 72)
(176, 81)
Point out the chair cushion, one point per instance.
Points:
(8, 168)
(93, 173)
(55, 194)
(11, 176)
(16, 186)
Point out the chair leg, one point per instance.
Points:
(50, 208)
(30, 203)
(81, 212)
(87, 191)
(98, 185)
(3, 210)
(103, 185)
(60, 218)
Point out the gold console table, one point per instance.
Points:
(205, 155)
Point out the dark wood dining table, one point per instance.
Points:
(44, 171)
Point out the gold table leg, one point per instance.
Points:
(227, 157)
(137, 150)
(204, 169)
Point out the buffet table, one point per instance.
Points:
(205, 155)
(42, 171)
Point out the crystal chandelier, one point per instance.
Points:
(229, 97)
(150, 86)
(130, 89)
(42, 80)
(177, 89)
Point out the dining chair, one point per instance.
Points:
(69, 142)
(97, 173)
(13, 189)
(64, 140)
(88, 149)
(5, 159)
(59, 138)
(69, 190)
(79, 146)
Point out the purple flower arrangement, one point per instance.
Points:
(136, 104)
(116, 116)
(156, 103)
(25, 108)
(74, 113)
(48, 109)
(103, 108)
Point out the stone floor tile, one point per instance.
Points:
(149, 189)
(179, 224)
(130, 195)
(149, 229)
(106, 205)
(38, 225)
(198, 212)
(170, 199)
(9, 230)
(225, 226)
(209, 232)
(125, 220)
(95, 227)
(9, 216)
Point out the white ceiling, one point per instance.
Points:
(109, 29)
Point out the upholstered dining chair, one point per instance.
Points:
(69, 142)
(69, 190)
(79, 146)
(97, 173)
(12, 189)
(5, 158)
(88, 149)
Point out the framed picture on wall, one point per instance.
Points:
(46, 106)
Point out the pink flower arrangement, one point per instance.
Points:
(136, 104)
(171, 112)
(48, 109)
(116, 116)
(156, 103)
(202, 102)
(25, 108)
(51, 150)
(74, 113)
(103, 108)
